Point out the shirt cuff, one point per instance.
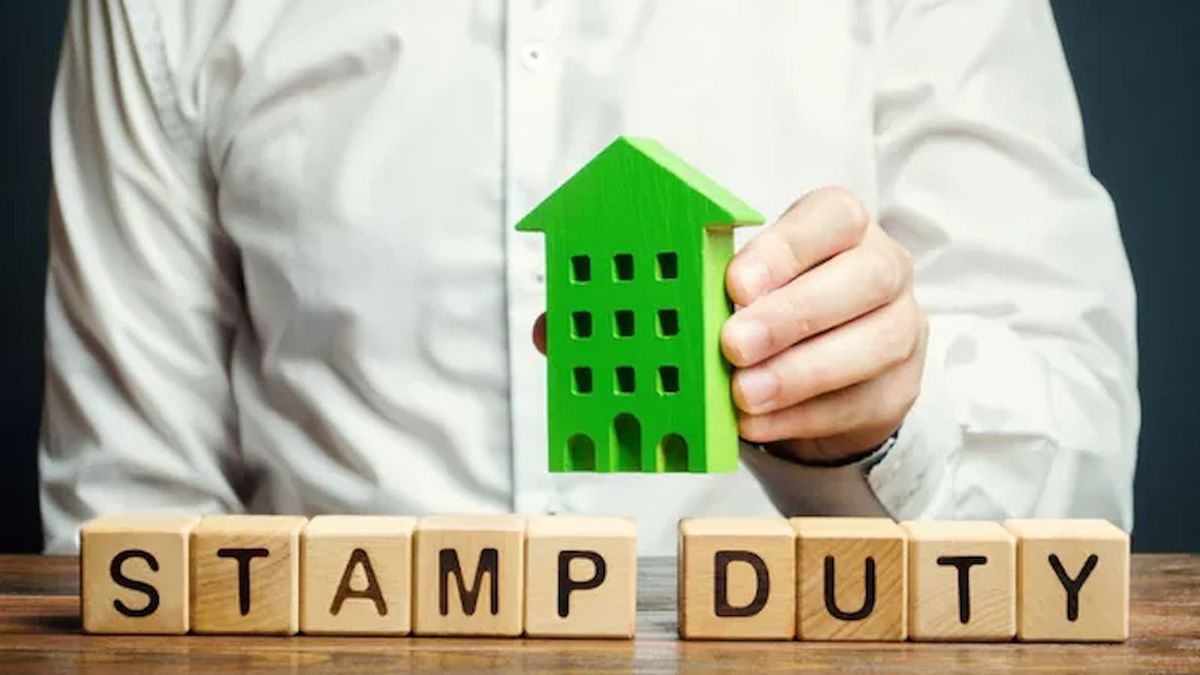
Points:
(914, 479)
(803, 490)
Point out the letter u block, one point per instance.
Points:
(356, 575)
(853, 579)
(580, 577)
(246, 574)
(736, 579)
(1072, 581)
(469, 575)
(134, 574)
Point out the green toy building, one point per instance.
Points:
(636, 248)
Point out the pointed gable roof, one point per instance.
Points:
(640, 170)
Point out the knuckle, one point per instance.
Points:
(896, 343)
(799, 317)
(884, 276)
(854, 215)
(755, 428)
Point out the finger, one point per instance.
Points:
(879, 404)
(833, 360)
(820, 225)
(843, 288)
(539, 333)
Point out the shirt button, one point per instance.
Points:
(538, 278)
(533, 56)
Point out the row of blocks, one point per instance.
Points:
(575, 576)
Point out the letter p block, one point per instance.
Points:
(469, 574)
(580, 577)
(737, 579)
(134, 574)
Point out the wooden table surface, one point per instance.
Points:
(40, 632)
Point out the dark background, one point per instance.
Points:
(1137, 72)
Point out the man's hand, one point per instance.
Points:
(828, 341)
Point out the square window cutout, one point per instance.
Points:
(668, 323)
(623, 267)
(581, 325)
(625, 380)
(581, 269)
(668, 379)
(667, 265)
(623, 323)
(581, 380)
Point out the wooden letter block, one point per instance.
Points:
(580, 577)
(356, 575)
(736, 579)
(246, 574)
(470, 572)
(962, 581)
(134, 574)
(1072, 580)
(853, 579)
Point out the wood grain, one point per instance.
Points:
(40, 632)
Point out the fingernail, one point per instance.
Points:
(748, 338)
(757, 387)
(752, 278)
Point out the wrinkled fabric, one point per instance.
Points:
(283, 274)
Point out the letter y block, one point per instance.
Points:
(469, 575)
(736, 579)
(1072, 580)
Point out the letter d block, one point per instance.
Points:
(736, 579)
(580, 577)
(134, 574)
(469, 575)
(1072, 581)
(962, 581)
(246, 574)
(853, 579)
(356, 575)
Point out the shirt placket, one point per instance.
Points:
(530, 126)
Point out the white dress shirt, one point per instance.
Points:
(284, 275)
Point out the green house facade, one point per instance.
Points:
(636, 248)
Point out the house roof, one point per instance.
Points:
(641, 170)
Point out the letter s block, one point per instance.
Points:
(853, 579)
(246, 574)
(469, 575)
(736, 579)
(580, 577)
(134, 574)
(356, 575)
(1072, 581)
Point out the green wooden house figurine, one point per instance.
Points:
(636, 248)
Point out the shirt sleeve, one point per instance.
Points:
(1029, 403)
(141, 299)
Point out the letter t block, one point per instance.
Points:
(1072, 580)
(246, 574)
(736, 579)
(134, 574)
(469, 575)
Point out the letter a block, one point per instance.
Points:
(853, 579)
(962, 581)
(1072, 581)
(356, 575)
(580, 577)
(134, 574)
(246, 574)
(470, 575)
(736, 579)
